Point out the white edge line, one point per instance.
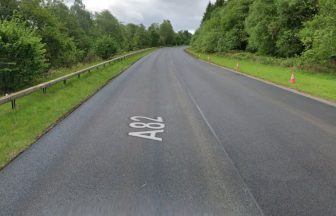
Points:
(330, 103)
(221, 145)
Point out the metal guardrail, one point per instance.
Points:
(12, 97)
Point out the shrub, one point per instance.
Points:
(319, 34)
(105, 47)
(22, 56)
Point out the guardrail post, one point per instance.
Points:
(78, 75)
(64, 82)
(13, 104)
(44, 90)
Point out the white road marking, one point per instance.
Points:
(156, 126)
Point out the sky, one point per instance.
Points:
(184, 14)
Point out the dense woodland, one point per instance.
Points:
(301, 29)
(36, 35)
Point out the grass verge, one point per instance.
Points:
(37, 112)
(322, 85)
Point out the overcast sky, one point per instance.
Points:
(184, 14)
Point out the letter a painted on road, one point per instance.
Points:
(147, 134)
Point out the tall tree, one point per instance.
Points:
(262, 27)
(291, 16)
(108, 24)
(232, 18)
(319, 34)
(167, 34)
(7, 8)
(61, 49)
(141, 37)
(208, 12)
(22, 55)
(273, 25)
(71, 24)
(225, 29)
(84, 17)
(154, 35)
(183, 38)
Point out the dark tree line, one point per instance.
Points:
(281, 28)
(36, 35)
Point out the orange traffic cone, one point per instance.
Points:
(292, 79)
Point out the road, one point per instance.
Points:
(230, 145)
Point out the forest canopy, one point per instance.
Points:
(278, 28)
(36, 35)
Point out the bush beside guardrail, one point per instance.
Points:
(43, 86)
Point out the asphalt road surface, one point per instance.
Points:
(176, 136)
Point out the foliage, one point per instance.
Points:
(271, 69)
(183, 38)
(140, 38)
(7, 8)
(208, 12)
(319, 34)
(167, 34)
(61, 49)
(232, 18)
(211, 8)
(279, 28)
(108, 24)
(71, 34)
(225, 29)
(154, 35)
(261, 25)
(105, 47)
(22, 55)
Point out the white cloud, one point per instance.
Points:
(184, 14)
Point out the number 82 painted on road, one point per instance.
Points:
(155, 127)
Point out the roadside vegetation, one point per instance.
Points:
(19, 128)
(268, 37)
(41, 36)
(322, 85)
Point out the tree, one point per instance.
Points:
(183, 38)
(105, 47)
(108, 24)
(319, 34)
(154, 35)
(140, 39)
(206, 37)
(291, 14)
(73, 29)
(208, 12)
(61, 50)
(225, 29)
(84, 17)
(233, 34)
(261, 25)
(131, 30)
(273, 26)
(22, 55)
(167, 34)
(211, 8)
(7, 8)
(219, 3)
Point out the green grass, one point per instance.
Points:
(55, 73)
(19, 128)
(322, 85)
